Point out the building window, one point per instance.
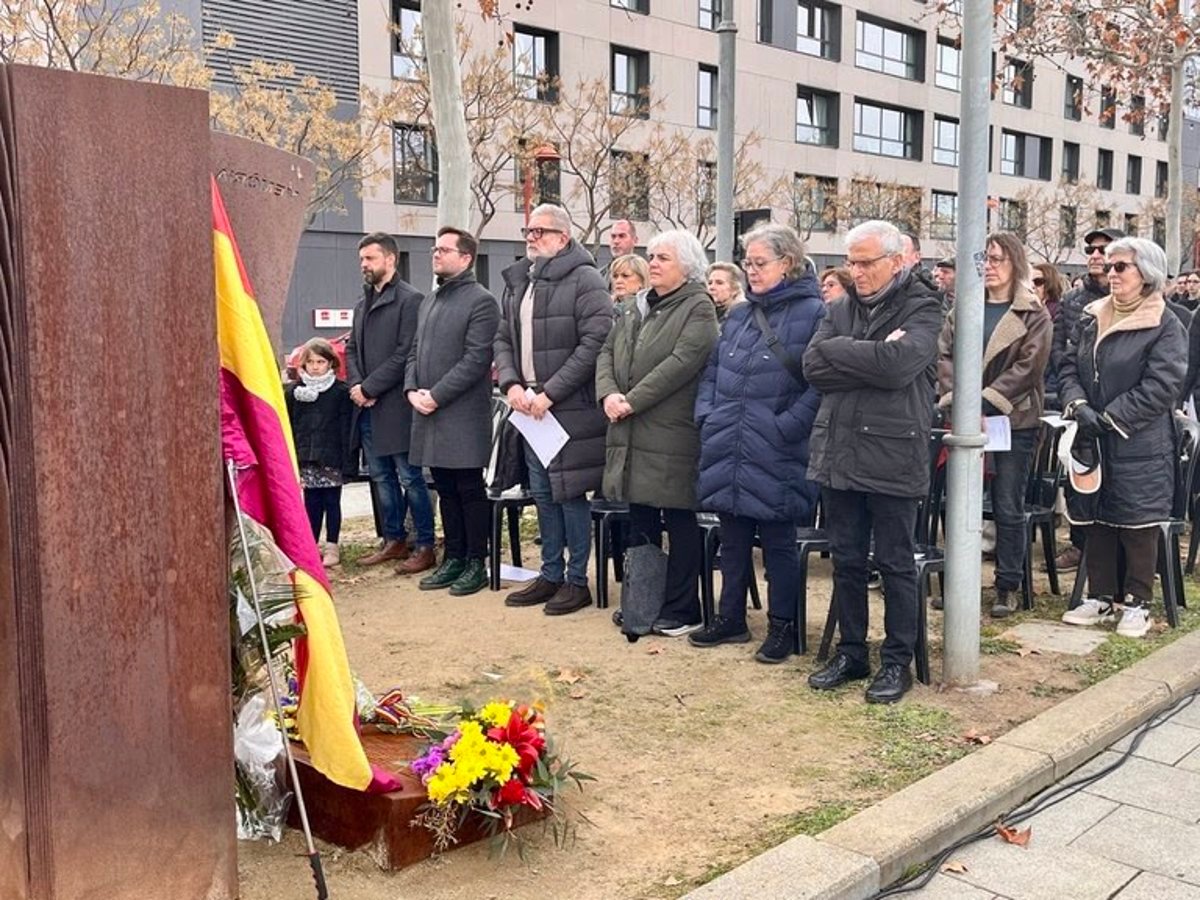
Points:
(899, 204)
(1012, 217)
(943, 222)
(1016, 13)
(945, 141)
(706, 97)
(1073, 99)
(887, 131)
(1159, 228)
(706, 192)
(816, 117)
(1104, 170)
(414, 164)
(408, 52)
(947, 70)
(1070, 163)
(1160, 178)
(1164, 122)
(535, 63)
(1025, 155)
(1137, 115)
(814, 203)
(1131, 225)
(637, 6)
(1018, 84)
(887, 48)
(710, 14)
(1108, 108)
(630, 82)
(629, 192)
(1133, 175)
(1068, 226)
(817, 29)
(1102, 218)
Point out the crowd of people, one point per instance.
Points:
(760, 392)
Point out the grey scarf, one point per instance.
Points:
(314, 386)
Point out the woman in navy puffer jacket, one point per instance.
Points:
(755, 417)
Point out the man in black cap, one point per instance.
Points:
(944, 273)
(1066, 339)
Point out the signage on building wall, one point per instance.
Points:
(333, 318)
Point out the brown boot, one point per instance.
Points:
(537, 591)
(570, 597)
(390, 550)
(418, 561)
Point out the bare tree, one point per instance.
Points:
(868, 197)
(1138, 49)
(1053, 215)
(449, 114)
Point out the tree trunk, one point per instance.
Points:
(449, 117)
(1174, 246)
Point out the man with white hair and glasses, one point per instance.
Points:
(872, 360)
(556, 314)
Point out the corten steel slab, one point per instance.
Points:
(266, 193)
(115, 749)
(379, 824)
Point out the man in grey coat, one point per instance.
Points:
(376, 354)
(556, 314)
(448, 384)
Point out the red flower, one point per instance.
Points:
(524, 738)
(511, 793)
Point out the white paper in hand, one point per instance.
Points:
(546, 436)
(999, 434)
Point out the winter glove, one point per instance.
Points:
(1089, 421)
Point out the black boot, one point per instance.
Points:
(720, 631)
(780, 642)
(1005, 605)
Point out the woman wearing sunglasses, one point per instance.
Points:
(1017, 335)
(1120, 387)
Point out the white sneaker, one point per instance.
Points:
(1090, 612)
(670, 629)
(1135, 622)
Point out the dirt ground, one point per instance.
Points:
(702, 757)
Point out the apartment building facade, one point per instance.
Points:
(856, 105)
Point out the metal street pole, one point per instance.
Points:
(726, 64)
(964, 476)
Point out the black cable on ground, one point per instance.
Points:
(1043, 801)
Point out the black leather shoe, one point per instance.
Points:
(890, 684)
(837, 672)
(537, 591)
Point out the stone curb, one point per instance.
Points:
(872, 849)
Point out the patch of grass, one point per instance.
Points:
(816, 819)
(352, 553)
(910, 741)
(1051, 690)
(994, 646)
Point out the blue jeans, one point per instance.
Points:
(1008, 508)
(400, 487)
(564, 526)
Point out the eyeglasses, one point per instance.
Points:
(1039, 282)
(439, 251)
(537, 233)
(864, 263)
(1094, 248)
(993, 260)
(755, 265)
(1118, 267)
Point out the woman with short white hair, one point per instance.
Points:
(1120, 387)
(646, 380)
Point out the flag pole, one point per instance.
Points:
(314, 857)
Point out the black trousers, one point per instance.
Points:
(851, 517)
(462, 499)
(1141, 560)
(324, 504)
(780, 558)
(684, 555)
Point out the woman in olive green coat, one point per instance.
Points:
(646, 379)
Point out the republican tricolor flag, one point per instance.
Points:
(256, 435)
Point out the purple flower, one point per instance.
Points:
(426, 765)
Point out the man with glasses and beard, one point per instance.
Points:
(556, 313)
(1066, 339)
